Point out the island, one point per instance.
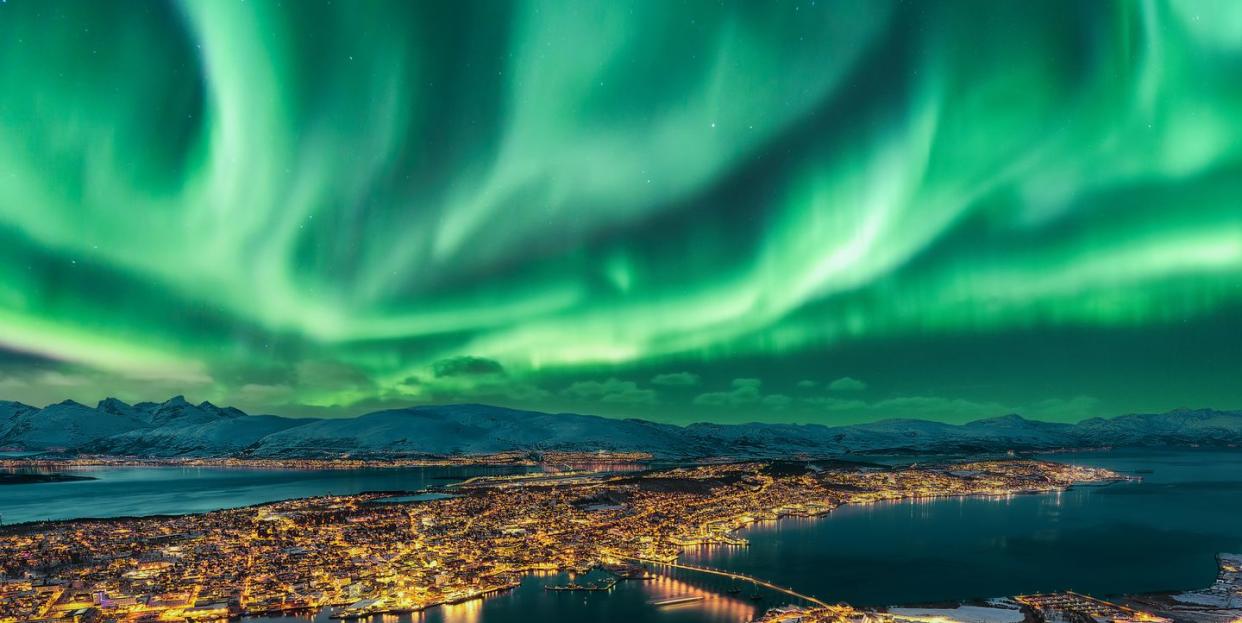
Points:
(27, 478)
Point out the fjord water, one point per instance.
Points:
(135, 491)
(1158, 534)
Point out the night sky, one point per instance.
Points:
(815, 211)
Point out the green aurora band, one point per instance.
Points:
(679, 210)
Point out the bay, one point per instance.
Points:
(1162, 533)
(138, 491)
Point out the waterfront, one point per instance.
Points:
(1162, 533)
(627, 602)
(139, 491)
(312, 553)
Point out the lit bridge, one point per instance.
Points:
(736, 576)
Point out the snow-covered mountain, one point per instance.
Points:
(178, 428)
(1180, 427)
(219, 437)
(9, 412)
(473, 429)
(64, 425)
(171, 428)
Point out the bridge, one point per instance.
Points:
(736, 576)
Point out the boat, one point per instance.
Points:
(677, 599)
(603, 585)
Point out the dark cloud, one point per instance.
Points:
(676, 379)
(948, 409)
(847, 384)
(594, 389)
(466, 365)
(613, 391)
(745, 391)
(331, 375)
(631, 397)
(776, 401)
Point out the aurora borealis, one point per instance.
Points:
(808, 211)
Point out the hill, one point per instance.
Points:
(176, 428)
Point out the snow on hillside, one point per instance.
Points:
(471, 429)
(218, 437)
(65, 425)
(1183, 426)
(179, 428)
(9, 412)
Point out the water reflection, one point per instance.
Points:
(629, 602)
(465, 612)
(715, 605)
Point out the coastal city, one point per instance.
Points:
(386, 553)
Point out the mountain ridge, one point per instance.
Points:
(178, 428)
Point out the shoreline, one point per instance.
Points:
(1164, 601)
(344, 462)
(472, 483)
(456, 488)
(719, 524)
(743, 542)
(736, 540)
